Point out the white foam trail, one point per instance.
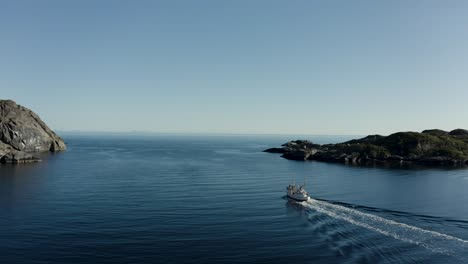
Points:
(434, 241)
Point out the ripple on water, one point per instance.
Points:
(433, 241)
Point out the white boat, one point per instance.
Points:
(297, 192)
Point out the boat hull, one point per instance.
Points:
(299, 199)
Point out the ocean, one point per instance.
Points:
(220, 199)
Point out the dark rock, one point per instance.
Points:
(438, 161)
(274, 150)
(435, 132)
(395, 158)
(432, 147)
(23, 132)
(459, 132)
(300, 154)
(299, 149)
(352, 158)
(368, 139)
(57, 145)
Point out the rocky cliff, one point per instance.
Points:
(430, 147)
(23, 133)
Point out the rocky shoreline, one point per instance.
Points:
(23, 133)
(432, 147)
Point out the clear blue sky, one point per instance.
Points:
(306, 67)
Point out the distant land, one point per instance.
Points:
(23, 133)
(433, 147)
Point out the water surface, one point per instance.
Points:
(211, 199)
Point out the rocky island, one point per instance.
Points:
(23, 133)
(432, 147)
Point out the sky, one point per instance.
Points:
(247, 66)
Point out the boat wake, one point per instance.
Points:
(434, 241)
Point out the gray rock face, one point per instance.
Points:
(22, 132)
(300, 144)
(18, 157)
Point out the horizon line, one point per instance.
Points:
(196, 133)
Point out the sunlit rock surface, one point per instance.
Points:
(22, 133)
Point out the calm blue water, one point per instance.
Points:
(212, 199)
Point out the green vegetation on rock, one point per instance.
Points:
(431, 147)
